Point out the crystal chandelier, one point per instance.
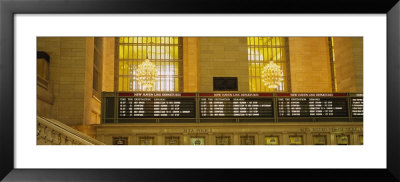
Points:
(147, 75)
(272, 75)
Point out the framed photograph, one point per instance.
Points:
(156, 77)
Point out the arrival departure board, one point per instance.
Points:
(134, 107)
(312, 105)
(157, 105)
(213, 105)
(357, 105)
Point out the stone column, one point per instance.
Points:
(191, 57)
(159, 139)
(333, 139)
(261, 139)
(310, 69)
(236, 139)
(308, 140)
(356, 140)
(285, 138)
(211, 139)
(186, 139)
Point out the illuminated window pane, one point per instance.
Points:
(295, 140)
(164, 52)
(146, 140)
(120, 140)
(222, 140)
(172, 140)
(197, 141)
(272, 140)
(342, 140)
(247, 140)
(262, 50)
(319, 140)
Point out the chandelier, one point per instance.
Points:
(147, 75)
(272, 75)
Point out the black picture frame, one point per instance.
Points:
(9, 8)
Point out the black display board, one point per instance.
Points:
(236, 105)
(156, 105)
(312, 105)
(225, 84)
(357, 105)
(133, 107)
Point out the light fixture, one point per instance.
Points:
(272, 75)
(224, 140)
(197, 142)
(172, 141)
(147, 75)
(248, 140)
(120, 142)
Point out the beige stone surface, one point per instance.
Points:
(92, 105)
(191, 58)
(223, 57)
(344, 63)
(67, 74)
(108, 64)
(70, 100)
(349, 64)
(210, 131)
(310, 64)
(71, 80)
(358, 55)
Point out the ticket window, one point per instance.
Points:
(172, 140)
(361, 137)
(272, 140)
(197, 141)
(120, 140)
(247, 140)
(342, 140)
(223, 140)
(319, 140)
(146, 140)
(295, 140)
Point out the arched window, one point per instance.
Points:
(164, 52)
(261, 51)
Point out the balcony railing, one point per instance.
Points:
(53, 132)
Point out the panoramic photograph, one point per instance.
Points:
(199, 90)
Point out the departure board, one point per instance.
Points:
(157, 105)
(312, 105)
(134, 107)
(357, 105)
(236, 105)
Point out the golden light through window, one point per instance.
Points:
(272, 75)
(147, 75)
(261, 51)
(195, 90)
(164, 52)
